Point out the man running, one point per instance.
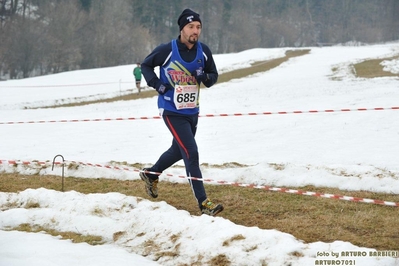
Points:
(184, 64)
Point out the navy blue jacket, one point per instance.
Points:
(159, 56)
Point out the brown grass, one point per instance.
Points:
(307, 218)
(372, 68)
(75, 237)
(260, 66)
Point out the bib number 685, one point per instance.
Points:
(186, 97)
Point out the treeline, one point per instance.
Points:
(40, 37)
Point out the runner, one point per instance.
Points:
(184, 64)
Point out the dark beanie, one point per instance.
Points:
(187, 16)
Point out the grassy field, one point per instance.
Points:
(307, 218)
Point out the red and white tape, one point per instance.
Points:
(220, 182)
(206, 115)
(65, 85)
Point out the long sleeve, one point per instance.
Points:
(155, 59)
(210, 69)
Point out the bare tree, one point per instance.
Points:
(18, 51)
(59, 47)
(49, 36)
(112, 37)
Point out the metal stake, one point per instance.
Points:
(62, 189)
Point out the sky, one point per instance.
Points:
(330, 126)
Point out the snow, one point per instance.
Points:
(353, 150)
(391, 66)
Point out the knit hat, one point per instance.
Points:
(187, 16)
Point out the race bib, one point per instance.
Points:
(186, 96)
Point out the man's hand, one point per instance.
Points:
(162, 88)
(199, 75)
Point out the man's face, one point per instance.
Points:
(191, 32)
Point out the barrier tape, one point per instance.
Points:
(67, 85)
(221, 182)
(207, 115)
